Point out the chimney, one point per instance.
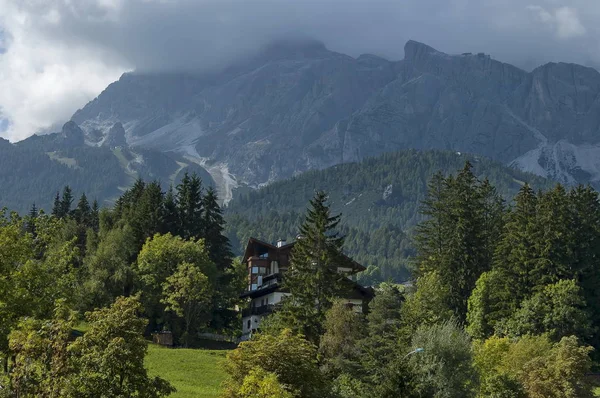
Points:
(281, 242)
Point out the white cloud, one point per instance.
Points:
(564, 21)
(62, 53)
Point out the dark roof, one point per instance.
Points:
(357, 266)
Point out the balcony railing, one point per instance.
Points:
(262, 310)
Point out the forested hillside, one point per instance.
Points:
(379, 199)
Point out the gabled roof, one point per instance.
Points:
(355, 265)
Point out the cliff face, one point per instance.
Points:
(299, 106)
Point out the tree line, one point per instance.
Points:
(379, 199)
(157, 260)
(504, 305)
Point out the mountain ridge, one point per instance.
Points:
(299, 106)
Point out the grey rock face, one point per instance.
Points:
(299, 106)
(115, 137)
(72, 135)
(5, 144)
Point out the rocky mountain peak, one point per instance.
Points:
(115, 136)
(72, 134)
(314, 108)
(414, 51)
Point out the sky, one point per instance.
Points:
(56, 55)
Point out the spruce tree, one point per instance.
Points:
(66, 202)
(515, 256)
(457, 240)
(433, 234)
(56, 208)
(213, 223)
(171, 216)
(32, 216)
(146, 217)
(190, 206)
(585, 208)
(219, 251)
(95, 216)
(83, 211)
(312, 278)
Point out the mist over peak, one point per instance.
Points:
(56, 55)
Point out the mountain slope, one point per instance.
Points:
(298, 106)
(379, 199)
(33, 170)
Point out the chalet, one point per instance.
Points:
(267, 264)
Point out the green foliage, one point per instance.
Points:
(40, 358)
(109, 273)
(429, 304)
(558, 310)
(160, 258)
(339, 348)
(107, 361)
(289, 356)
(533, 366)
(458, 239)
(109, 357)
(445, 367)
(544, 269)
(261, 384)
(312, 278)
(485, 305)
(377, 227)
(188, 293)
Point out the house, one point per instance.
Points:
(267, 264)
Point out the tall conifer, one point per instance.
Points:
(190, 206)
(66, 201)
(312, 278)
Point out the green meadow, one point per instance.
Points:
(194, 372)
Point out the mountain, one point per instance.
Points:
(33, 170)
(298, 106)
(379, 199)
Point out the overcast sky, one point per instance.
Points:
(55, 55)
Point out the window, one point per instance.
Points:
(254, 286)
(249, 324)
(255, 270)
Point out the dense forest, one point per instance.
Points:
(505, 301)
(505, 304)
(379, 199)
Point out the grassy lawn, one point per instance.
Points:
(195, 373)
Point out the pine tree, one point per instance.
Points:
(32, 217)
(432, 238)
(95, 216)
(83, 211)
(312, 278)
(171, 217)
(219, 251)
(146, 216)
(66, 202)
(189, 203)
(213, 223)
(56, 209)
(458, 239)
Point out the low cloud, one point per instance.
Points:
(59, 54)
(563, 20)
